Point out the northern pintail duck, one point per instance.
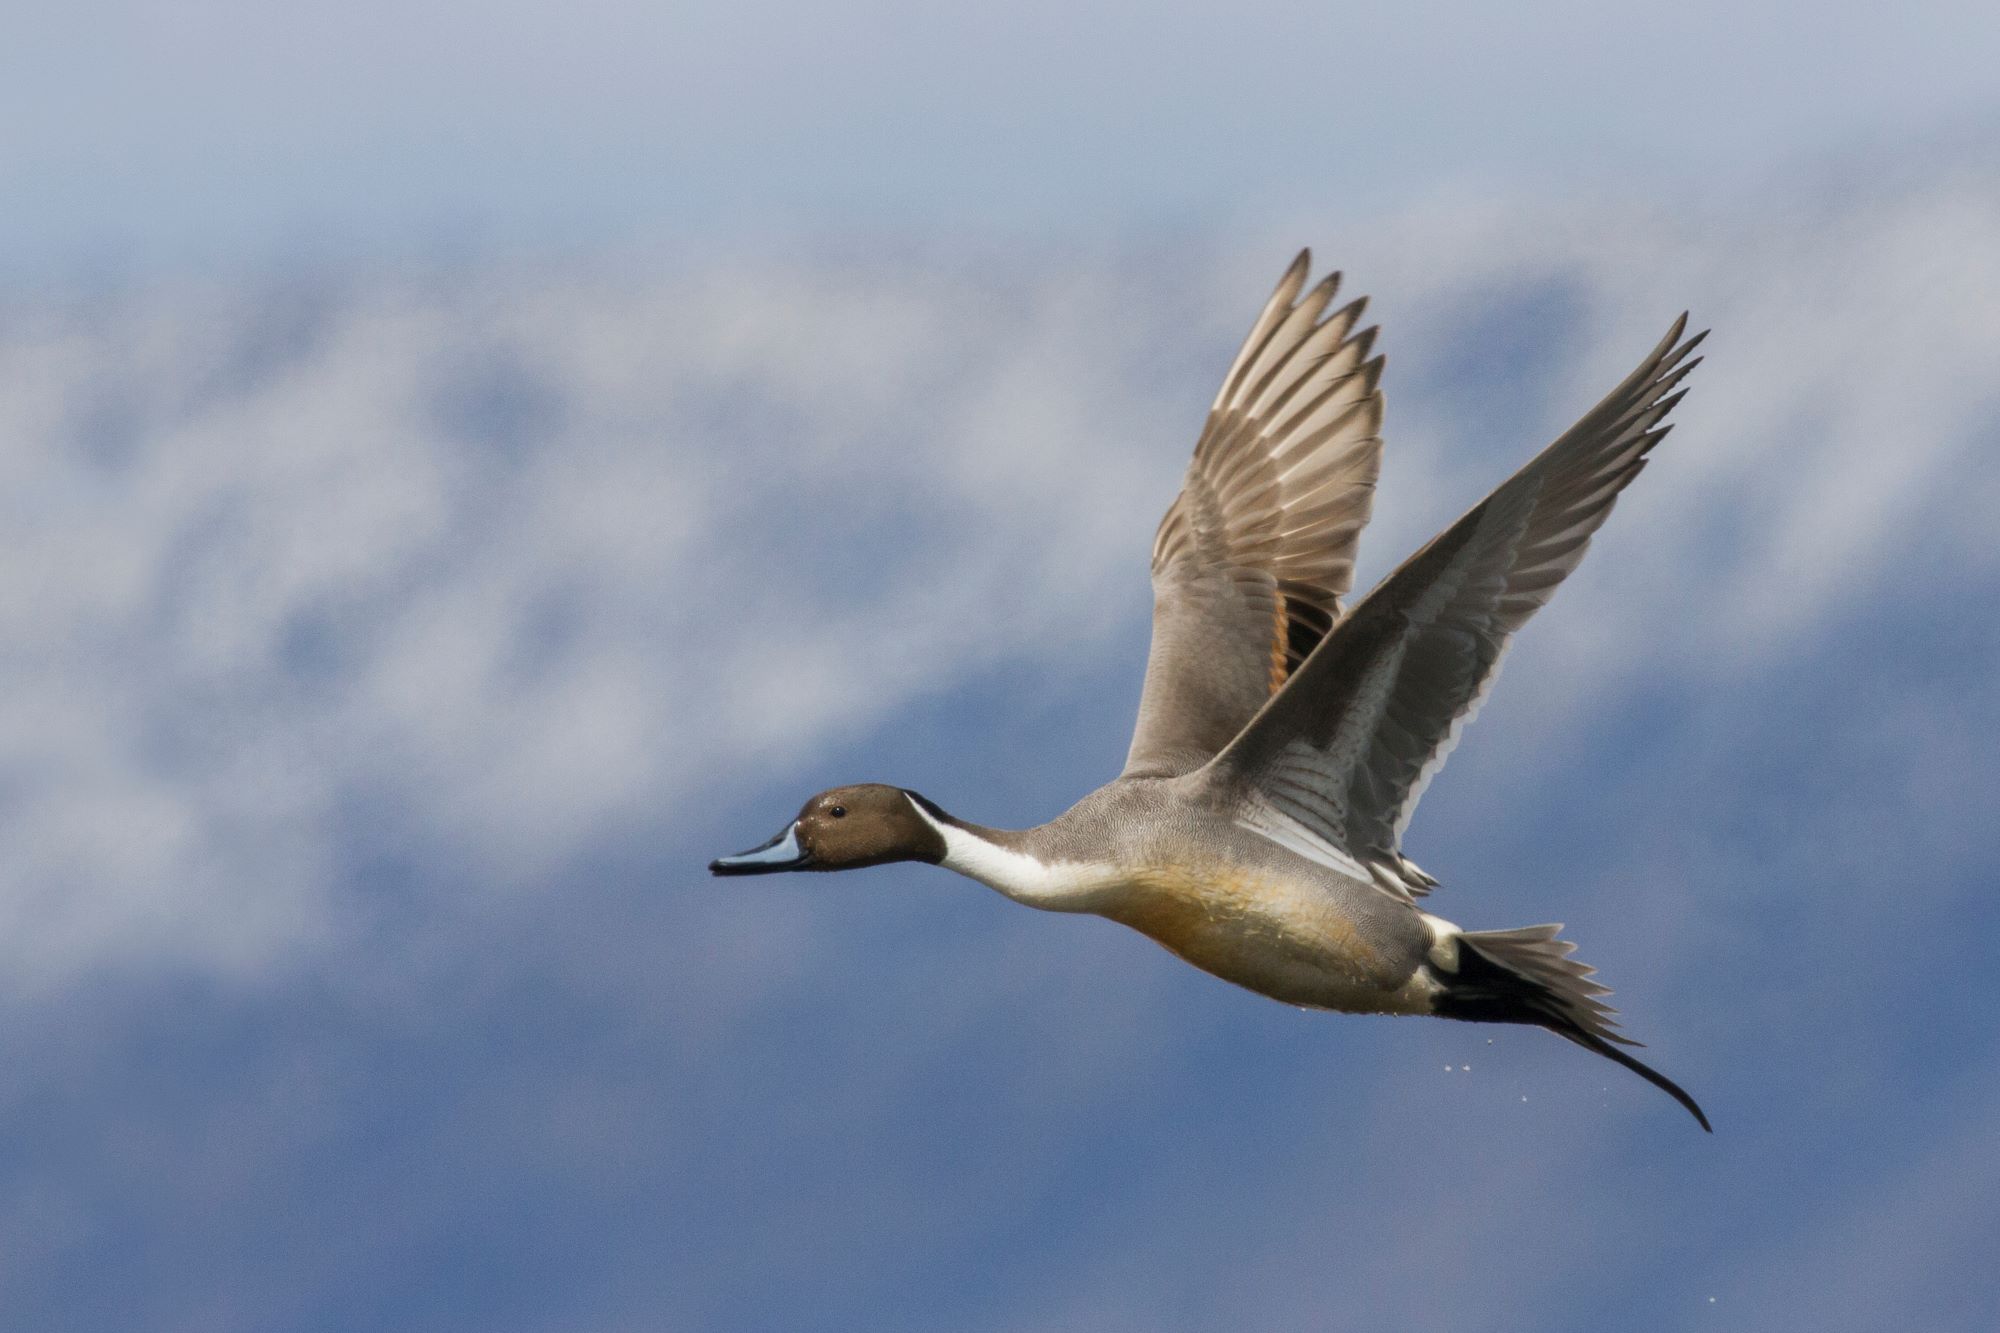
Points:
(1282, 741)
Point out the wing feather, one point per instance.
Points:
(1253, 556)
(1339, 757)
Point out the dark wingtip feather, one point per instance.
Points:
(1371, 372)
(1667, 343)
(1675, 376)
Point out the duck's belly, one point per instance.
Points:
(1290, 941)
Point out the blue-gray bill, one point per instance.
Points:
(780, 853)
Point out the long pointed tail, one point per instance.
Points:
(1528, 976)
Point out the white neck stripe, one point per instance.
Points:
(1057, 886)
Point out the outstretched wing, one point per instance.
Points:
(1334, 765)
(1254, 554)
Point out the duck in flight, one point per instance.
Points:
(1283, 740)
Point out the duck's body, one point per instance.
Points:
(1152, 854)
(1283, 740)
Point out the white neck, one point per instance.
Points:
(1056, 886)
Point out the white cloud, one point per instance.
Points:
(525, 554)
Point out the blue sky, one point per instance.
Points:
(467, 468)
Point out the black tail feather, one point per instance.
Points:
(1643, 1070)
(1527, 976)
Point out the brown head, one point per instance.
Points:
(845, 828)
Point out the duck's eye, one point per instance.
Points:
(838, 812)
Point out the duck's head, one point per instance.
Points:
(845, 828)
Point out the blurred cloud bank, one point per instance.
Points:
(496, 561)
(387, 645)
